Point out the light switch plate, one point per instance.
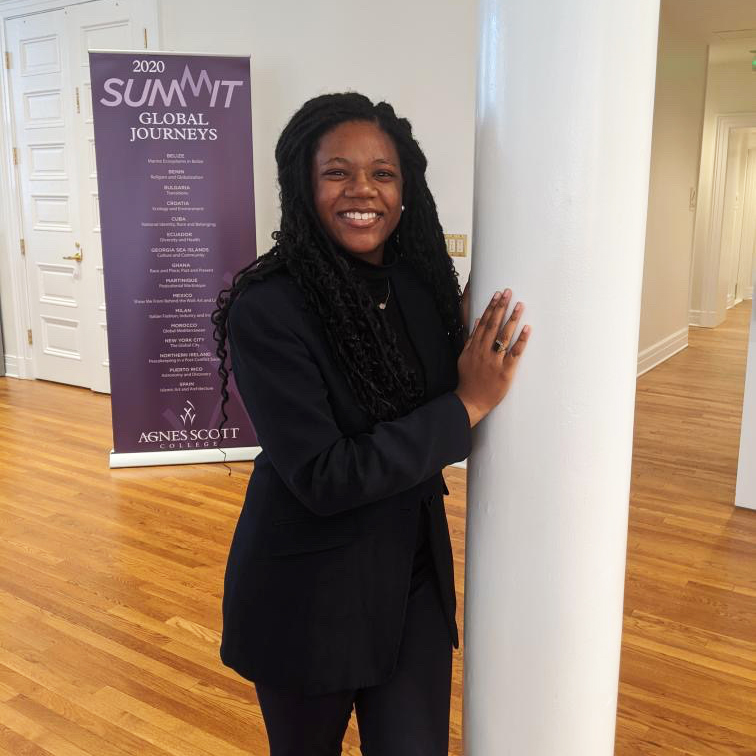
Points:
(456, 244)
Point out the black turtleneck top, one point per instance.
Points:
(377, 278)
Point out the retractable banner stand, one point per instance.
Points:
(173, 143)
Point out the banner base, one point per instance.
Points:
(183, 456)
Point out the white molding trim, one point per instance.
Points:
(662, 350)
(703, 318)
(15, 8)
(712, 255)
(183, 456)
(144, 12)
(12, 231)
(11, 366)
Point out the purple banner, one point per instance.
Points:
(173, 136)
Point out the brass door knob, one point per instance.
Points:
(78, 256)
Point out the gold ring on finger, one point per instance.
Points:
(499, 346)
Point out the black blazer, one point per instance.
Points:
(319, 567)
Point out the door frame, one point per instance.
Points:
(713, 304)
(19, 359)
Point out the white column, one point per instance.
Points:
(745, 489)
(564, 113)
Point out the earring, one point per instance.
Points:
(402, 208)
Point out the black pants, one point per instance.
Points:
(406, 716)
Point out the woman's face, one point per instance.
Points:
(357, 187)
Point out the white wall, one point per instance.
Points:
(730, 88)
(676, 140)
(419, 56)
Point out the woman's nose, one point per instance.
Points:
(360, 186)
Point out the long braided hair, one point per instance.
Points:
(359, 337)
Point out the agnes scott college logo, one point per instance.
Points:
(188, 413)
(189, 437)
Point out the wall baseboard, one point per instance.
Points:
(662, 350)
(11, 366)
(694, 317)
(702, 318)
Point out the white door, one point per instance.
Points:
(732, 217)
(748, 238)
(44, 112)
(100, 25)
(52, 110)
(733, 254)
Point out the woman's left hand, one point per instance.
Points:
(466, 307)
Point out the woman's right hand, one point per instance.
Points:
(484, 374)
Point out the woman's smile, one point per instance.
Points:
(360, 219)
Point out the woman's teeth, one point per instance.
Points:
(360, 216)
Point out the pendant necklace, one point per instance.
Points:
(382, 305)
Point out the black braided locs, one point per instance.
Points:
(360, 340)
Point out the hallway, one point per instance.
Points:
(112, 580)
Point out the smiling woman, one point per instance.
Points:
(348, 349)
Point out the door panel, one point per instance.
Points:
(104, 24)
(54, 138)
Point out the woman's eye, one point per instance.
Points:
(384, 174)
(335, 173)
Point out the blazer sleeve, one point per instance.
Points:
(287, 401)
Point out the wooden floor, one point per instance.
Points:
(110, 580)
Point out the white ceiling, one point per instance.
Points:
(709, 16)
(728, 25)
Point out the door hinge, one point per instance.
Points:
(7, 59)
(29, 335)
(23, 246)
(145, 38)
(78, 102)
(15, 156)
